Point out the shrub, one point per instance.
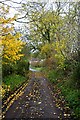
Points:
(71, 94)
(7, 69)
(52, 76)
(67, 67)
(76, 74)
(22, 67)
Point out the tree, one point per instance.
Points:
(45, 29)
(11, 42)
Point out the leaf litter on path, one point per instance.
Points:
(41, 101)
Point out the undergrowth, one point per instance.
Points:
(68, 89)
(11, 82)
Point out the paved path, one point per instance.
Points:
(35, 102)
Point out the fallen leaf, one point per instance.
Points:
(39, 102)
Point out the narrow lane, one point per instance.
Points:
(36, 101)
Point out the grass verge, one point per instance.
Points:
(11, 83)
(68, 90)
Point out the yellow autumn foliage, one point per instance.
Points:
(60, 47)
(11, 44)
(46, 48)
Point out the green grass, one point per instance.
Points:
(72, 96)
(36, 68)
(68, 89)
(14, 81)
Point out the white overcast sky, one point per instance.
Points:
(48, 1)
(14, 11)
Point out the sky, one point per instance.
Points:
(13, 10)
(48, 0)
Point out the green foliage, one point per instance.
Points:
(55, 37)
(14, 81)
(67, 87)
(52, 76)
(7, 69)
(22, 67)
(72, 96)
(76, 74)
(65, 70)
